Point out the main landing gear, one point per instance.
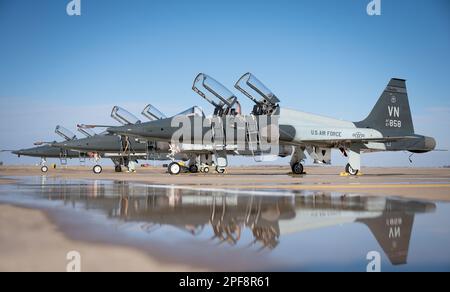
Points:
(297, 168)
(350, 170)
(44, 168)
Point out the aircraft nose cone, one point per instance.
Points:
(430, 143)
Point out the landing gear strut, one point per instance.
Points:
(296, 160)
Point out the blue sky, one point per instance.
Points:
(326, 57)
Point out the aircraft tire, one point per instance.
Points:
(118, 168)
(297, 168)
(350, 170)
(220, 170)
(205, 169)
(97, 169)
(174, 168)
(44, 169)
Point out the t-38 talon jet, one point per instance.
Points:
(203, 152)
(120, 149)
(46, 150)
(388, 127)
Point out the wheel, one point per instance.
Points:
(97, 169)
(297, 168)
(44, 168)
(118, 168)
(193, 168)
(220, 170)
(350, 170)
(174, 168)
(206, 169)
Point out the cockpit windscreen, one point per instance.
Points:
(213, 91)
(193, 111)
(250, 86)
(152, 113)
(65, 133)
(87, 132)
(123, 116)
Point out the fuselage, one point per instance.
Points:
(114, 146)
(295, 128)
(47, 151)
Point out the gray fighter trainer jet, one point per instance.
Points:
(120, 149)
(388, 127)
(45, 150)
(205, 155)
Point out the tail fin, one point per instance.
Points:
(392, 114)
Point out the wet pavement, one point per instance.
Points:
(255, 230)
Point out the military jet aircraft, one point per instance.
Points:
(45, 150)
(120, 149)
(204, 155)
(388, 127)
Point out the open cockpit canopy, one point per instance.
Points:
(263, 97)
(215, 93)
(87, 132)
(152, 113)
(65, 133)
(124, 117)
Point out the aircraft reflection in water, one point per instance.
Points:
(267, 217)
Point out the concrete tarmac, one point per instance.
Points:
(417, 183)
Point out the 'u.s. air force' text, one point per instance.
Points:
(326, 133)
